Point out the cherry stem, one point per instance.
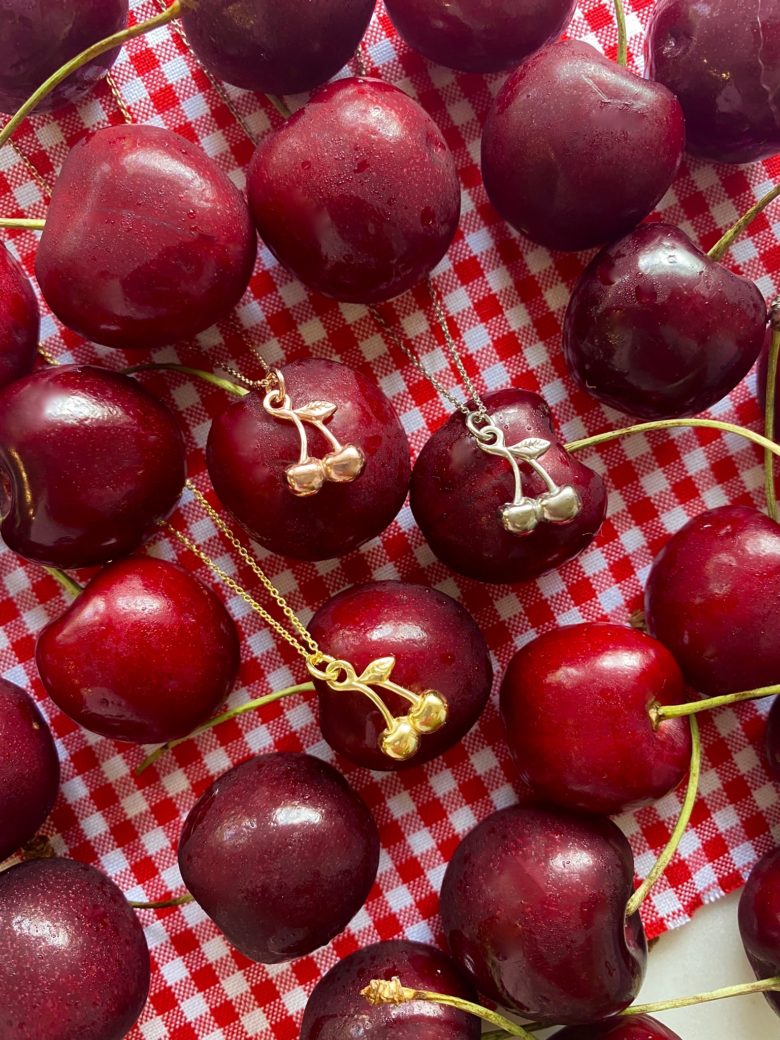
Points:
(164, 904)
(658, 712)
(207, 377)
(280, 105)
(725, 243)
(681, 826)
(233, 713)
(109, 43)
(622, 52)
(769, 410)
(69, 584)
(26, 223)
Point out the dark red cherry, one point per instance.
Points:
(772, 740)
(357, 194)
(722, 60)
(281, 854)
(89, 461)
(20, 319)
(37, 38)
(557, 142)
(252, 456)
(74, 964)
(575, 704)
(759, 921)
(145, 654)
(29, 768)
(713, 598)
(272, 47)
(657, 329)
(458, 495)
(337, 1011)
(480, 35)
(147, 241)
(437, 646)
(637, 1027)
(533, 905)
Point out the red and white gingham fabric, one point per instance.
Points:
(507, 298)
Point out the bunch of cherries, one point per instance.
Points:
(147, 242)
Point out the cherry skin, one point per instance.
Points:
(249, 452)
(637, 1027)
(437, 646)
(657, 329)
(357, 194)
(74, 964)
(36, 39)
(772, 740)
(336, 1009)
(147, 241)
(722, 60)
(29, 768)
(20, 321)
(759, 921)
(145, 654)
(281, 854)
(89, 461)
(480, 35)
(457, 493)
(575, 706)
(713, 596)
(570, 186)
(533, 905)
(275, 48)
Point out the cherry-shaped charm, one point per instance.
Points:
(658, 329)
(20, 320)
(534, 907)
(281, 854)
(438, 650)
(463, 499)
(146, 242)
(89, 462)
(145, 654)
(357, 194)
(637, 1027)
(759, 921)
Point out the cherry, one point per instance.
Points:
(89, 461)
(437, 646)
(759, 921)
(723, 63)
(146, 242)
(37, 38)
(533, 905)
(20, 321)
(276, 48)
(146, 653)
(74, 964)
(657, 329)
(772, 740)
(480, 35)
(555, 144)
(250, 454)
(357, 194)
(281, 854)
(29, 768)
(712, 598)
(575, 706)
(637, 1027)
(459, 497)
(337, 1010)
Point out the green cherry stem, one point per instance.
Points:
(24, 223)
(725, 243)
(669, 424)
(163, 904)
(746, 988)
(198, 373)
(622, 52)
(769, 410)
(658, 712)
(69, 584)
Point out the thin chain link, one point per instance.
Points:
(34, 173)
(112, 86)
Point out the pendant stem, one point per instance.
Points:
(769, 409)
(69, 584)
(164, 904)
(725, 243)
(198, 373)
(620, 15)
(669, 424)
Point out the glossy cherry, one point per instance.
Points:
(249, 453)
(657, 329)
(74, 964)
(357, 194)
(722, 60)
(147, 241)
(759, 921)
(458, 491)
(145, 654)
(637, 1027)
(437, 646)
(480, 35)
(533, 905)
(20, 320)
(29, 768)
(713, 598)
(772, 740)
(89, 461)
(37, 38)
(281, 854)
(336, 1010)
(556, 144)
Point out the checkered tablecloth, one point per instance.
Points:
(507, 299)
